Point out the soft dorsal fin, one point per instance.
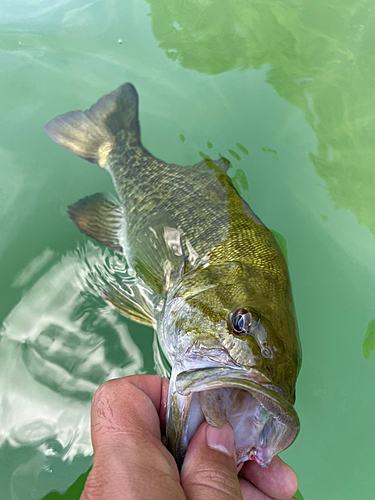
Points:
(207, 164)
(159, 258)
(100, 217)
(91, 134)
(281, 241)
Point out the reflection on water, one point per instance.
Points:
(54, 12)
(318, 57)
(272, 151)
(239, 179)
(368, 345)
(58, 344)
(321, 60)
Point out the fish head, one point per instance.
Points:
(236, 357)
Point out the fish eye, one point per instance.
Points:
(241, 321)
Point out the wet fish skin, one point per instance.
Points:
(196, 200)
(198, 253)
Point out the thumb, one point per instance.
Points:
(209, 470)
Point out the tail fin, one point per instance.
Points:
(90, 134)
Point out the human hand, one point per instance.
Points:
(131, 462)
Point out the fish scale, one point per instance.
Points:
(175, 183)
(199, 262)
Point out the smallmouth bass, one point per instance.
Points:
(205, 273)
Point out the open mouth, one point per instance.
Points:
(264, 423)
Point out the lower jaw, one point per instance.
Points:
(263, 421)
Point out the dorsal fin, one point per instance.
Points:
(207, 164)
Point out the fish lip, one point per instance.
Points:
(203, 379)
(200, 379)
(185, 383)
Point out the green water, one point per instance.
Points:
(285, 89)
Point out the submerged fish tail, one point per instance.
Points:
(91, 134)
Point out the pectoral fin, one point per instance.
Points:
(132, 300)
(100, 217)
(159, 258)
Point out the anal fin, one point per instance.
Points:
(100, 217)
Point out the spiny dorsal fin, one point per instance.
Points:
(91, 134)
(100, 217)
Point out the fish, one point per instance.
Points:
(203, 271)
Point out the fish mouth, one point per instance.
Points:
(264, 422)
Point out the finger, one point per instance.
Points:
(128, 403)
(156, 389)
(251, 492)
(125, 433)
(209, 470)
(278, 480)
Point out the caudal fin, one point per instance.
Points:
(91, 134)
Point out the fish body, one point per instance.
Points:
(204, 272)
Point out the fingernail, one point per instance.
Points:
(221, 439)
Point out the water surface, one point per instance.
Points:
(284, 89)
